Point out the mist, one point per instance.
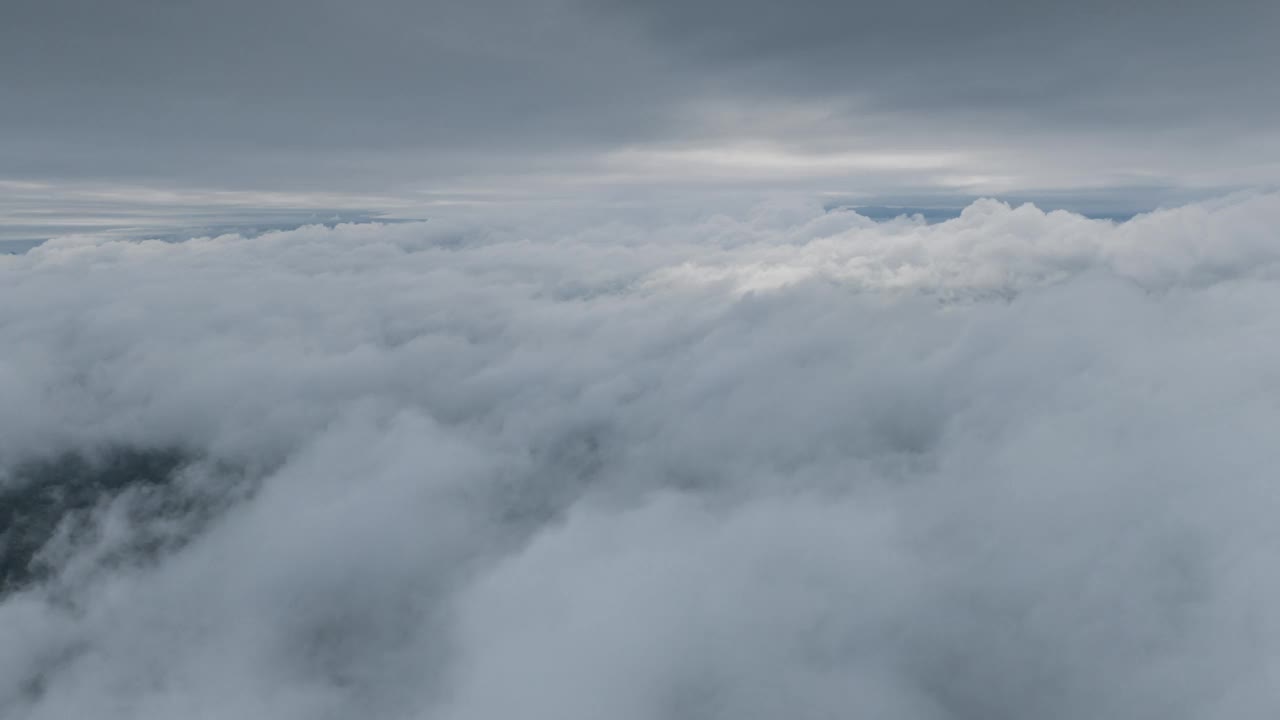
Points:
(773, 462)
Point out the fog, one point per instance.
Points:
(773, 462)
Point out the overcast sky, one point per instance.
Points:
(402, 105)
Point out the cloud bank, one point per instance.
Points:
(783, 462)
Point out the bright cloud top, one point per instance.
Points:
(780, 463)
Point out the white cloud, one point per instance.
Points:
(781, 462)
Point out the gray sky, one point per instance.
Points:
(635, 426)
(405, 106)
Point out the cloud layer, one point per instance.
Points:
(560, 97)
(782, 462)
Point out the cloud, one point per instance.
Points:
(774, 461)
(327, 96)
(386, 98)
(1080, 58)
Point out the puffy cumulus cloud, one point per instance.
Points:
(779, 462)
